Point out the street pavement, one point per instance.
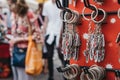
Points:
(57, 75)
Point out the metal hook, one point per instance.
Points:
(118, 38)
(117, 73)
(118, 1)
(87, 4)
(58, 3)
(63, 69)
(85, 69)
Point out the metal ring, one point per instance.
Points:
(70, 19)
(63, 14)
(76, 69)
(100, 70)
(66, 75)
(70, 74)
(74, 16)
(93, 18)
(118, 13)
(91, 75)
(97, 71)
(83, 76)
(94, 74)
(96, 10)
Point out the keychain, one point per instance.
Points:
(74, 3)
(70, 42)
(118, 42)
(95, 45)
(70, 1)
(67, 43)
(100, 44)
(118, 1)
(76, 45)
(100, 2)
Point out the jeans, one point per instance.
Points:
(50, 53)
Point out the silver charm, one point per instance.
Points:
(100, 2)
(74, 3)
(70, 43)
(95, 45)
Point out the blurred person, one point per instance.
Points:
(3, 24)
(6, 14)
(52, 28)
(40, 21)
(11, 4)
(19, 21)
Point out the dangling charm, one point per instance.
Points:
(100, 2)
(118, 42)
(95, 45)
(70, 43)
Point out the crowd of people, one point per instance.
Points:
(46, 29)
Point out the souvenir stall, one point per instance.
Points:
(91, 39)
(5, 67)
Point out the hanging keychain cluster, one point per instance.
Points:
(73, 72)
(70, 43)
(94, 72)
(70, 38)
(95, 45)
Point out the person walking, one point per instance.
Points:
(40, 22)
(19, 31)
(52, 27)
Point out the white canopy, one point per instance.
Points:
(32, 4)
(3, 3)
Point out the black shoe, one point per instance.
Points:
(50, 79)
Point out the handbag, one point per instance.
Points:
(2, 32)
(33, 61)
(19, 54)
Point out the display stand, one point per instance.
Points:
(110, 29)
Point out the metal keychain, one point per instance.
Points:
(100, 44)
(74, 3)
(67, 43)
(88, 44)
(70, 42)
(95, 45)
(77, 44)
(118, 42)
(70, 1)
(100, 2)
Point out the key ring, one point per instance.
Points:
(83, 76)
(72, 73)
(118, 13)
(66, 75)
(99, 70)
(68, 17)
(88, 76)
(63, 12)
(74, 16)
(96, 11)
(94, 17)
(75, 70)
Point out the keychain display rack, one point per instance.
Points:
(107, 14)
